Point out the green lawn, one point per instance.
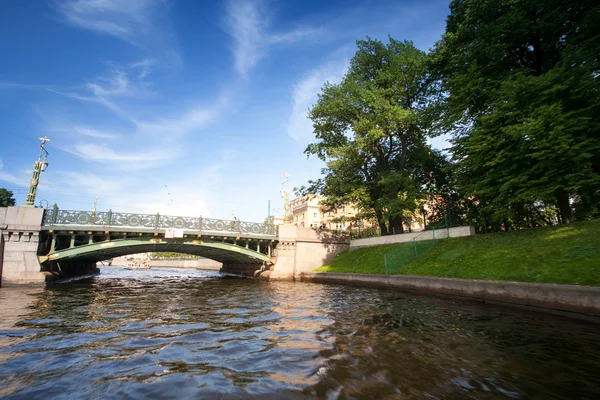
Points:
(562, 254)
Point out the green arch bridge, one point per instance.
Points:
(70, 236)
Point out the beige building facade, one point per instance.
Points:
(309, 212)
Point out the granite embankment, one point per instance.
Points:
(554, 268)
(201, 263)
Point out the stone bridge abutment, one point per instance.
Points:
(20, 229)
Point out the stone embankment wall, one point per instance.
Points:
(201, 263)
(571, 298)
(407, 237)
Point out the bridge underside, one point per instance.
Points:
(221, 251)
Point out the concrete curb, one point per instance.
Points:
(571, 298)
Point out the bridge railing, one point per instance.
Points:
(55, 216)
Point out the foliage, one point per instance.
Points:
(560, 254)
(522, 101)
(370, 131)
(6, 198)
(365, 233)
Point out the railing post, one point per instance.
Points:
(200, 224)
(109, 217)
(53, 243)
(54, 214)
(157, 221)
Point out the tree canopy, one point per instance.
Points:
(6, 198)
(517, 86)
(369, 131)
(522, 101)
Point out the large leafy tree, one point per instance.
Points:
(369, 131)
(522, 81)
(6, 198)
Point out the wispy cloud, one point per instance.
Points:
(148, 144)
(90, 132)
(178, 125)
(90, 183)
(305, 95)
(122, 91)
(15, 85)
(141, 23)
(127, 20)
(246, 21)
(23, 181)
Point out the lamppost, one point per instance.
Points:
(285, 195)
(94, 208)
(39, 167)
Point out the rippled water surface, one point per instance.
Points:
(172, 333)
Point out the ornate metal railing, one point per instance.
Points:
(56, 216)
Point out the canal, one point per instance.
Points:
(174, 333)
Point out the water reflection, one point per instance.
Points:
(189, 334)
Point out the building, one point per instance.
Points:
(305, 211)
(309, 212)
(275, 220)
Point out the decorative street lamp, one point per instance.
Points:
(39, 167)
(285, 195)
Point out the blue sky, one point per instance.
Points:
(183, 107)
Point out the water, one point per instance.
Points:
(172, 333)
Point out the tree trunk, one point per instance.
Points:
(381, 223)
(564, 207)
(396, 225)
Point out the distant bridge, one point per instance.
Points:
(71, 235)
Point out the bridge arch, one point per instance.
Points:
(221, 251)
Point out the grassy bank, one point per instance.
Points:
(562, 254)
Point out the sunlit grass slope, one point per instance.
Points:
(562, 254)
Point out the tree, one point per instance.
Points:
(370, 132)
(522, 82)
(6, 198)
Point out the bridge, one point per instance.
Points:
(38, 244)
(96, 236)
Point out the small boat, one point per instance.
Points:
(137, 265)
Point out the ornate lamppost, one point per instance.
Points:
(285, 195)
(39, 167)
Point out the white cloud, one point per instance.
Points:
(186, 207)
(117, 84)
(144, 67)
(177, 125)
(138, 157)
(90, 183)
(136, 193)
(247, 23)
(305, 95)
(142, 142)
(127, 20)
(13, 179)
(94, 133)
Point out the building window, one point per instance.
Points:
(315, 215)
